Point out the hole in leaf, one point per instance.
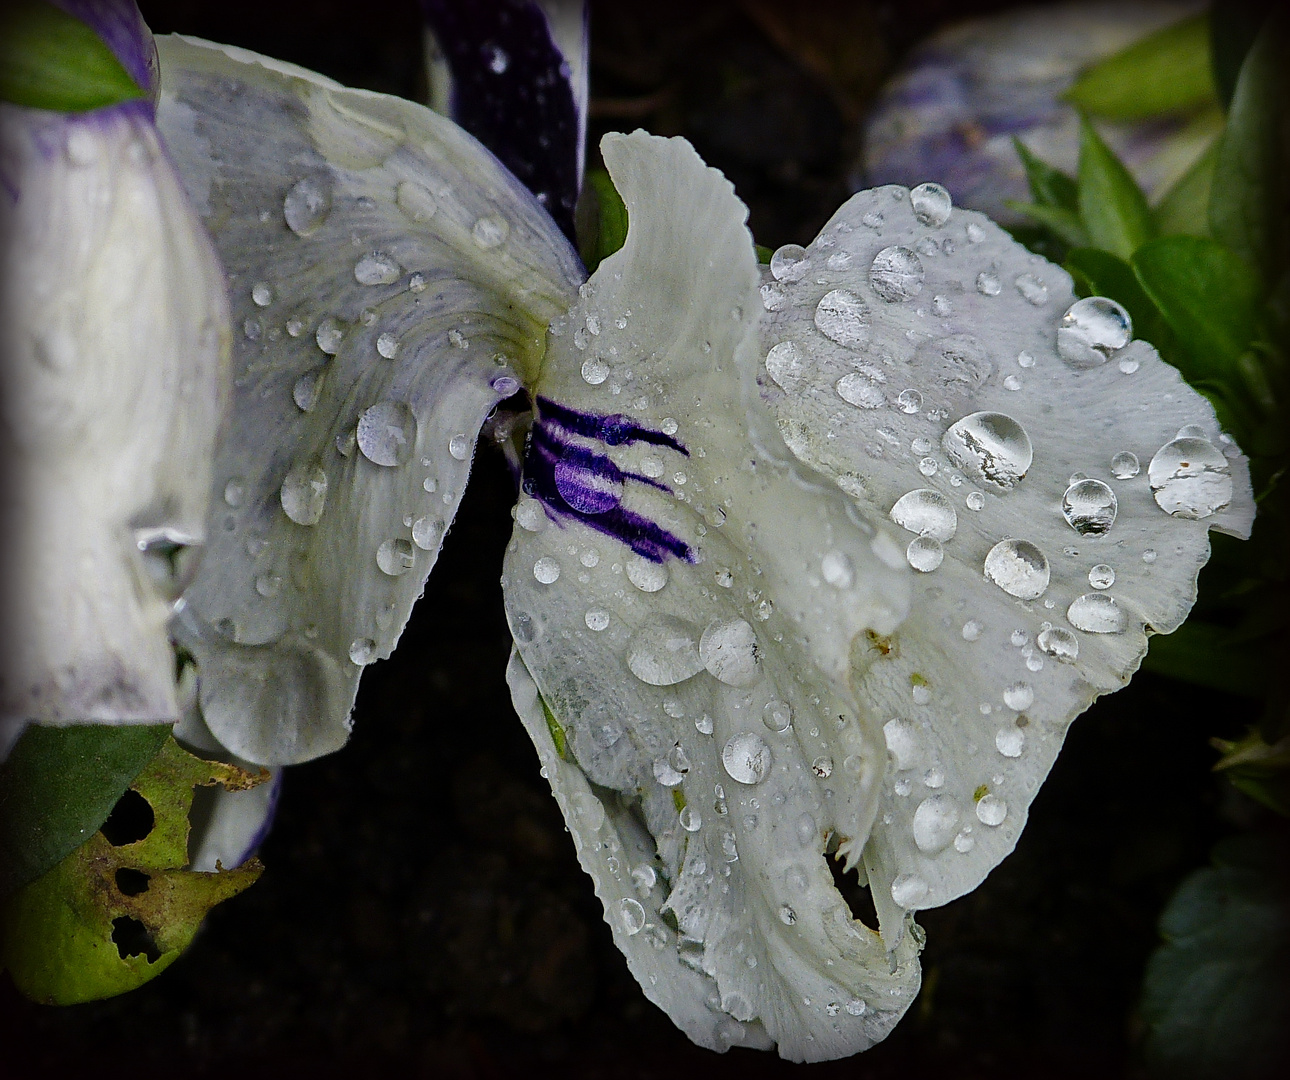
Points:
(131, 882)
(858, 897)
(130, 821)
(131, 938)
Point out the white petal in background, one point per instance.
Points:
(115, 339)
(1052, 519)
(713, 747)
(390, 283)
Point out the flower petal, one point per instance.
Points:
(687, 599)
(389, 282)
(1031, 455)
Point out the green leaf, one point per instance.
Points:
(1166, 73)
(51, 60)
(1203, 654)
(110, 917)
(1258, 768)
(1185, 207)
(1215, 994)
(59, 785)
(763, 254)
(1111, 205)
(1048, 186)
(1233, 27)
(605, 228)
(1208, 296)
(1063, 223)
(1248, 204)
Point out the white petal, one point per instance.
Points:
(975, 707)
(748, 589)
(390, 282)
(114, 330)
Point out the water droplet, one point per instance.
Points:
(1089, 507)
(746, 758)
(777, 715)
(855, 1007)
(377, 269)
(896, 274)
(789, 263)
(629, 910)
(307, 205)
(645, 575)
(942, 307)
(305, 392)
(388, 346)
(902, 741)
(773, 297)
(596, 619)
(691, 820)
(1032, 289)
(974, 500)
(262, 294)
(1019, 696)
(730, 653)
(1019, 568)
(1124, 466)
(838, 569)
(843, 317)
(1101, 576)
(822, 766)
(972, 630)
(909, 890)
(1091, 330)
(1191, 431)
(387, 433)
(1129, 365)
(1025, 360)
(931, 204)
(784, 364)
(1189, 478)
(1096, 613)
(991, 447)
(1059, 643)
(329, 335)
(595, 371)
(1149, 555)
(395, 557)
(362, 651)
(935, 822)
(1010, 742)
(924, 554)
(991, 810)
(662, 652)
(926, 512)
(415, 201)
(988, 284)
(427, 533)
(666, 774)
(703, 725)
(505, 385)
(787, 915)
(856, 389)
(459, 446)
(546, 570)
(1011, 382)
(235, 491)
(490, 232)
(304, 493)
(644, 877)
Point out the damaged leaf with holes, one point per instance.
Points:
(122, 907)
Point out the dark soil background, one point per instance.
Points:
(422, 912)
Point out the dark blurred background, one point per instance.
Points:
(422, 911)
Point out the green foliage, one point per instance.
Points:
(1112, 207)
(1056, 199)
(51, 60)
(110, 917)
(558, 736)
(1259, 769)
(58, 786)
(1215, 995)
(602, 224)
(1185, 206)
(1168, 72)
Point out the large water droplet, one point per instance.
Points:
(935, 822)
(459, 446)
(662, 652)
(858, 390)
(785, 365)
(991, 447)
(1058, 642)
(789, 263)
(387, 345)
(307, 205)
(1096, 613)
(730, 653)
(931, 204)
(546, 570)
(632, 915)
(1019, 568)
(843, 317)
(1032, 289)
(926, 512)
(991, 810)
(1092, 330)
(415, 201)
(396, 557)
(896, 274)
(909, 890)
(1189, 478)
(387, 433)
(362, 651)
(924, 554)
(746, 757)
(1101, 576)
(329, 335)
(1089, 507)
(645, 575)
(1010, 742)
(426, 533)
(777, 715)
(1019, 696)
(304, 493)
(377, 269)
(1124, 466)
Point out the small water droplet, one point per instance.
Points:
(991, 810)
(1101, 576)
(262, 294)
(1149, 555)
(1096, 613)
(427, 533)
(1124, 466)
(304, 493)
(928, 466)
(1019, 696)
(662, 651)
(647, 576)
(935, 822)
(691, 820)
(838, 569)
(909, 401)
(1011, 382)
(931, 204)
(329, 335)
(596, 619)
(377, 268)
(974, 500)
(972, 630)
(1089, 507)
(388, 346)
(789, 263)
(1025, 360)
(362, 651)
(387, 433)
(843, 317)
(822, 766)
(909, 890)
(787, 915)
(490, 232)
(703, 725)
(629, 910)
(784, 364)
(924, 554)
(307, 205)
(546, 570)
(1129, 365)
(305, 391)
(1092, 330)
(926, 512)
(988, 284)
(858, 390)
(746, 758)
(777, 715)
(729, 651)
(1032, 289)
(896, 274)
(459, 446)
(1189, 478)
(1019, 568)
(396, 557)
(1058, 642)
(773, 297)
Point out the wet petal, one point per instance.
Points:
(688, 600)
(389, 282)
(1012, 436)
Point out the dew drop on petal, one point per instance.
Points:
(1089, 507)
(926, 512)
(1096, 613)
(1032, 289)
(415, 201)
(974, 500)
(595, 371)
(304, 494)
(787, 915)
(305, 391)
(773, 297)
(490, 232)
(1058, 642)
(377, 269)
(546, 570)
(362, 651)
(1092, 330)
(896, 274)
(387, 433)
(991, 810)
(746, 758)
(729, 651)
(1101, 576)
(935, 822)
(988, 283)
(459, 446)
(909, 890)
(1189, 478)
(1010, 742)
(909, 401)
(924, 554)
(262, 294)
(838, 569)
(329, 335)
(777, 715)
(1124, 465)
(784, 364)
(690, 819)
(307, 205)
(843, 317)
(427, 533)
(645, 575)
(991, 447)
(1019, 568)
(387, 345)
(972, 630)
(822, 766)
(632, 915)
(789, 263)
(1019, 696)
(395, 557)
(597, 620)
(855, 389)
(662, 651)
(931, 204)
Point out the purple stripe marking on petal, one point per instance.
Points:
(511, 90)
(613, 429)
(122, 29)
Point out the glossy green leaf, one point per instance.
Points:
(50, 60)
(1185, 207)
(1233, 27)
(108, 918)
(1048, 186)
(1064, 224)
(59, 785)
(606, 226)
(1247, 210)
(1111, 205)
(1166, 73)
(1208, 296)
(1216, 996)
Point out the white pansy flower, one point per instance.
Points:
(776, 538)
